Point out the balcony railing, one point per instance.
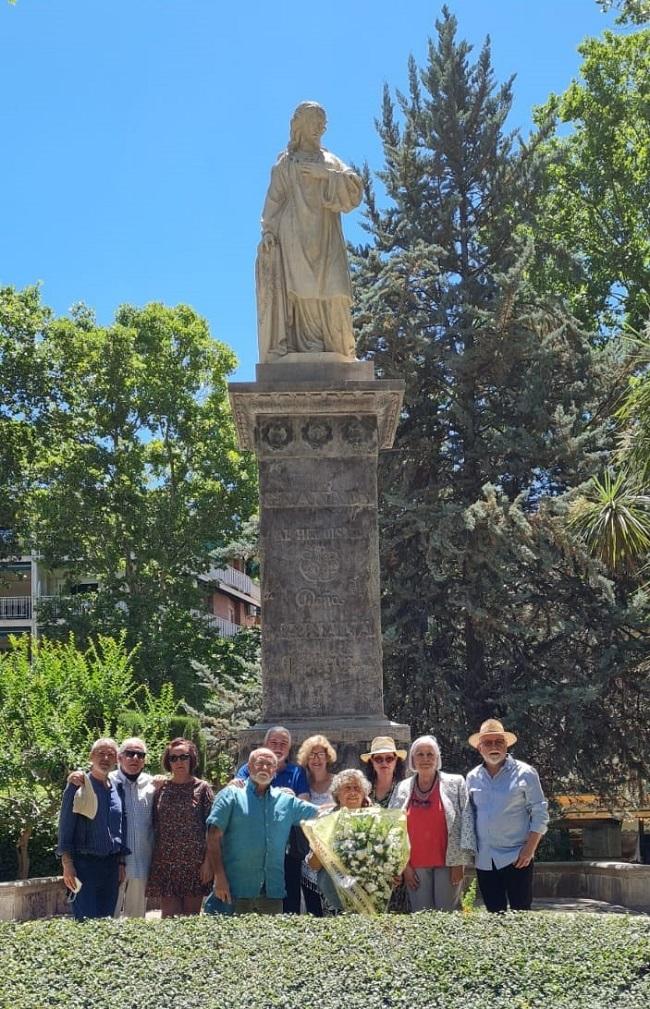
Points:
(15, 607)
(238, 580)
(24, 607)
(226, 628)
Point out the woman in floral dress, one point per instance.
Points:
(180, 872)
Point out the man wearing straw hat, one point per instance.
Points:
(511, 816)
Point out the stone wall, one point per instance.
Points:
(621, 883)
(27, 899)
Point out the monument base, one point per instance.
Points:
(350, 737)
(316, 425)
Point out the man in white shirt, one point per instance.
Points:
(139, 791)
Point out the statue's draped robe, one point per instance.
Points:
(303, 284)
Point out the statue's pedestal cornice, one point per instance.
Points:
(316, 388)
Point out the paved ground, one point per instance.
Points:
(580, 904)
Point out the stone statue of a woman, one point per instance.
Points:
(303, 284)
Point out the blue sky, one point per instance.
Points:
(138, 135)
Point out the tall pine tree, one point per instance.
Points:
(489, 607)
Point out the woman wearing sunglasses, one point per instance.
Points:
(384, 769)
(180, 872)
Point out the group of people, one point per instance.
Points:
(125, 836)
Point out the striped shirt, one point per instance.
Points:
(138, 800)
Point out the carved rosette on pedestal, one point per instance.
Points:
(317, 428)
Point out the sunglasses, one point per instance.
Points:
(385, 758)
(174, 757)
(134, 753)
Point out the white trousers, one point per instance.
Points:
(131, 899)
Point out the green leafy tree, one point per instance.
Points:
(23, 400)
(488, 605)
(55, 700)
(612, 515)
(613, 520)
(233, 686)
(634, 416)
(138, 479)
(597, 204)
(634, 12)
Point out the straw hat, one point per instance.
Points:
(492, 728)
(85, 800)
(383, 744)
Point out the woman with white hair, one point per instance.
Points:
(440, 828)
(350, 789)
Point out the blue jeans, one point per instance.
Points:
(98, 894)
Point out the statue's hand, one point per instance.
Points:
(268, 241)
(316, 169)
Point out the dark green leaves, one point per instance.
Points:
(518, 961)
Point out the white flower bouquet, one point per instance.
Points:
(363, 851)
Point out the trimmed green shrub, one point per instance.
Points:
(425, 961)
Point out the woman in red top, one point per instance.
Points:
(440, 827)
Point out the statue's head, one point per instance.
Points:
(308, 117)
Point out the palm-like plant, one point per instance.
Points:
(614, 520)
(613, 514)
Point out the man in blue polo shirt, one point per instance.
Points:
(293, 776)
(248, 830)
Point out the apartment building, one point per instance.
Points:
(231, 598)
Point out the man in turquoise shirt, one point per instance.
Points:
(248, 830)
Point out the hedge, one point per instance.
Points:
(478, 961)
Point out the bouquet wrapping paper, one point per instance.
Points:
(363, 851)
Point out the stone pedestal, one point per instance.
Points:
(316, 427)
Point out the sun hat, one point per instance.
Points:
(85, 799)
(383, 744)
(492, 727)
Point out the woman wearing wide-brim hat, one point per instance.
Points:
(384, 769)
